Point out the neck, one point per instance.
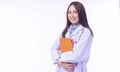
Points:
(75, 24)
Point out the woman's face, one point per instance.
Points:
(73, 15)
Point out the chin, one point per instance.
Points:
(74, 23)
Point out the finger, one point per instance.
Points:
(69, 70)
(71, 65)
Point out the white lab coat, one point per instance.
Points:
(82, 40)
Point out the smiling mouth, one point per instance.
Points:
(73, 19)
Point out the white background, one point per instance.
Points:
(28, 28)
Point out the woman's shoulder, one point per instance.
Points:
(87, 31)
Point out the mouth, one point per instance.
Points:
(72, 19)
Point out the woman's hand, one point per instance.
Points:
(67, 66)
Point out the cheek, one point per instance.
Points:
(76, 15)
(77, 18)
(68, 16)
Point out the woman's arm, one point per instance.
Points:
(67, 66)
(81, 49)
(54, 51)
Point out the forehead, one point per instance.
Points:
(72, 8)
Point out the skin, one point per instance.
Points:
(67, 66)
(73, 15)
(74, 19)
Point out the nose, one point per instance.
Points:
(72, 14)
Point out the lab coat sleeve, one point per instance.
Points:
(81, 49)
(54, 51)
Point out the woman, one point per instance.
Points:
(78, 29)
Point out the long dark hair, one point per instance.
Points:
(82, 17)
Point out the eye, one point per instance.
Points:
(69, 12)
(75, 11)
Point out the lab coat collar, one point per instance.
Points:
(76, 30)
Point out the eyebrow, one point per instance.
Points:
(72, 10)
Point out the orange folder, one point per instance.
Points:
(66, 44)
